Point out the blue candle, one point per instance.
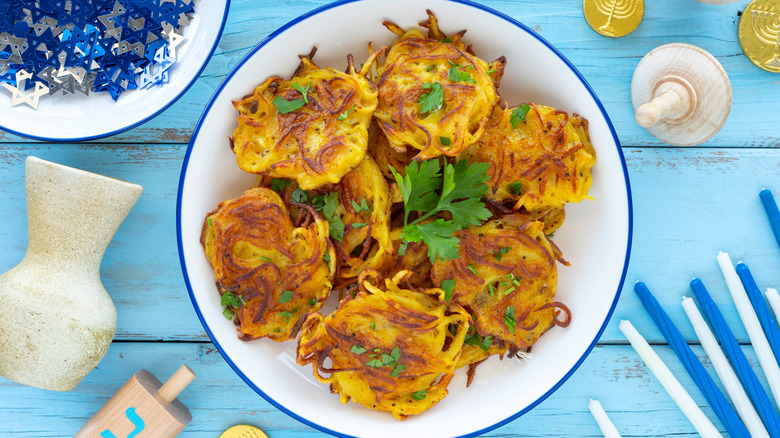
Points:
(719, 404)
(762, 311)
(770, 206)
(741, 365)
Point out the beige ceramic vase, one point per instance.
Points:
(56, 319)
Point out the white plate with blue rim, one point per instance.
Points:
(76, 117)
(596, 237)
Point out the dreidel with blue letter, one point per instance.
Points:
(143, 407)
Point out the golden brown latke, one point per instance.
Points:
(506, 277)
(543, 163)
(387, 155)
(390, 349)
(415, 260)
(317, 143)
(416, 67)
(276, 270)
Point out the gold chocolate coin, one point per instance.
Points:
(614, 18)
(243, 431)
(759, 34)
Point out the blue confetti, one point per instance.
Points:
(89, 46)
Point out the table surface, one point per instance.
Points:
(689, 203)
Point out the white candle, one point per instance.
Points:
(774, 301)
(749, 319)
(607, 428)
(700, 422)
(727, 375)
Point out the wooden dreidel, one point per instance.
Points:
(681, 94)
(143, 407)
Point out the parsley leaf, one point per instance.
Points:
(518, 115)
(445, 141)
(395, 353)
(433, 99)
(456, 75)
(464, 181)
(419, 395)
(300, 196)
(278, 184)
(285, 297)
(516, 187)
(228, 299)
(500, 253)
(509, 318)
(358, 225)
(285, 106)
(398, 370)
(287, 315)
(228, 313)
(419, 185)
(312, 302)
(437, 236)
(343, 116)
(357, 349)
(448, 286)
(478, 341)
(328, 204)
(363, 206)
(375, 363)
(303, 91)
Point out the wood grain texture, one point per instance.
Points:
(615, 375)
(606, 63)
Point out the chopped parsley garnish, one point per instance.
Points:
(518, 115)
(448, 286)
(491, 289)
(398, 370)
(228, 299)
(285, 297)
(277, 330)
(473, 270)
(358, 225)
(515, 187)
(209, 222)
(300, 196)
(551, 235)
(287, 315)
(326, 257)
(456, 75)
(375, 363)
(433, 99)
(509, 319)
(304, 91)
(278, 184)
(478, 341)
(357, 349)
(447, 40)
(402, 249)
(445, 141)
(491, 71)
(419, 395)
(228, 313)
(343, 116)
(330, 203)
(285, 106)
(373, 325)
(500, 253)
(509, 291)
(363, 206)
(462, 186)
(431, 67)
(265, 259)
(312, 302)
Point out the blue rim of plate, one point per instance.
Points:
(467, 3)
(151, 116)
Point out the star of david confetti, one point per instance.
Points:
(18, 96)
(86, 46)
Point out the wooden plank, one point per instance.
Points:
(607, 63)
(688, 205)
(218, 398)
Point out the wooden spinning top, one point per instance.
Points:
(143, 407)
(681, 94)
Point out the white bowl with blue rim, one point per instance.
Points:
(595, 238)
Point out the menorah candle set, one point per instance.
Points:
(752, 414)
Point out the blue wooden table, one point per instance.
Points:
(688, 204)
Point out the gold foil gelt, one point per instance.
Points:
(759, 34)
(613, 18)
